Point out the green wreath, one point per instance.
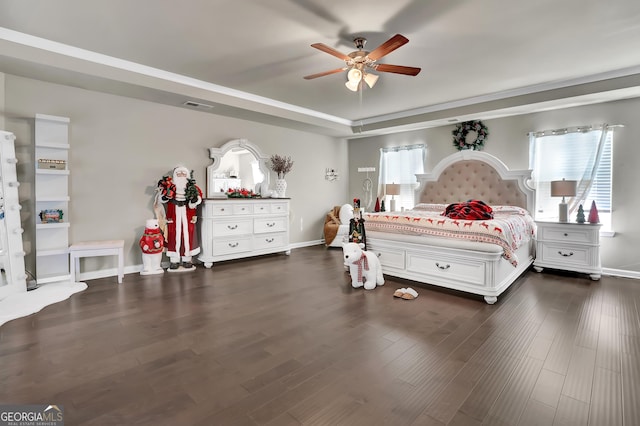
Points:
(460, 135)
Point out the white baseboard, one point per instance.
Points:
(621, 273)
(135, 269)
(105, 273)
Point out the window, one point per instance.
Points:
(580, 155)
(400, 165)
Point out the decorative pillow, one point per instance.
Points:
(430, 207)
(509, 210)
(346, 214)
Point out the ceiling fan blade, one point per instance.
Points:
(322, 74)
(398, 69)
(331, 51)
(388, 46)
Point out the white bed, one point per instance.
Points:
(482, 265)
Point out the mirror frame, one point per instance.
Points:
(216, 155)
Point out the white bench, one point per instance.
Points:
(96, 248)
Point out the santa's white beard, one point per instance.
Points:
(181, 186)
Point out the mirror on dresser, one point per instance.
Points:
(237, 164)
(233, 228)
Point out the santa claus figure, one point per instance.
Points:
(181, 196)
(152, 246)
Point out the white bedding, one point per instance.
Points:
(510, 228)
(437, 241)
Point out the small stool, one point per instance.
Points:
(96, 248)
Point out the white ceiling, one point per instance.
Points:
(479, 59)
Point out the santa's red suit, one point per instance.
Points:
(182, 197)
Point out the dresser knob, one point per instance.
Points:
(443, 267)
(565, 254)
(566, 235)
(232, 226)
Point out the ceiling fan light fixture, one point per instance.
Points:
(370, 79)
(354, 75)
(352, 85)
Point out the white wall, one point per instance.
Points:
(2, 101)
(121, 147)
(508, 141)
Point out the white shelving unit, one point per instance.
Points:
(12, 273)
(52, 193)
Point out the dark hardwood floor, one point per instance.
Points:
(285, 340)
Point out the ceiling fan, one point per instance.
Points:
(359, 62)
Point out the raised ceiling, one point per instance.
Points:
(247, 57)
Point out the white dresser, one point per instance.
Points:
(242, 227)
(568, 246)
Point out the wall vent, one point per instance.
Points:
(194, 104)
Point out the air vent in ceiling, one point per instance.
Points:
(194, 104)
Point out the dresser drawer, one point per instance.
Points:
(242, 208)
(565, 255)
(232, 227)
(221, 209)
(224, 246)
(440, 268)
(261, 208)
(262, 225)
(266, 241)
(279, 207)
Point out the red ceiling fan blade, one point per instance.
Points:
(388, 46)
(397, 69)
(331, 51)
(322, 74)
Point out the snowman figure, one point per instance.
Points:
(152, 246)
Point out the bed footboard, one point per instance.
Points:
(483, 273)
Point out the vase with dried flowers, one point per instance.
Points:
(281, 165)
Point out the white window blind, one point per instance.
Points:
(574, 155)
(400, 165)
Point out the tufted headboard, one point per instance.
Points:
(476, 175)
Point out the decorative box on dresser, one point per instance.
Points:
(243, 227)
(568, 246)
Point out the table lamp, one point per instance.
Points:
(392, 189)
(563, 188)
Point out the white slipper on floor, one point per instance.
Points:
(409, 294)
(399, 292)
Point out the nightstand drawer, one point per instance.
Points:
(573, 234)
(564, 255)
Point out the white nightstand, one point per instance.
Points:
(568, 246)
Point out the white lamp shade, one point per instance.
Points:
(370, 79)
(354, 75)
(353, 86)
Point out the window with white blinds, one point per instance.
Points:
(573, 156)
(400, 165)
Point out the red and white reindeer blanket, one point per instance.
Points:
(510, 227)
